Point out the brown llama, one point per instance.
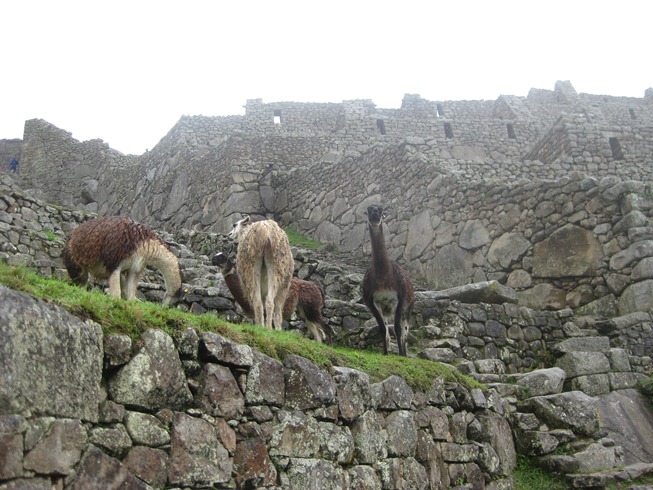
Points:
(304, 297)
(265, 265)
(387, 290)
(118, 248)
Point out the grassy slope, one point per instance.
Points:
(134, 317)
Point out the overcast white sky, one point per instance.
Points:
(125, 71)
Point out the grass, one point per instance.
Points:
(298, 240)
(530, 477)
(134, 317)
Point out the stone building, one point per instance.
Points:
(508, 190)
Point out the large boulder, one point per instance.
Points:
(154, 378)
(34, 337)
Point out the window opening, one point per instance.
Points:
(511, 131)
(448, 132)
(439, 109)
(380, 126)
(277, 116)
(617, 154)
(632, 113)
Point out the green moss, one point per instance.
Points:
(134, 317)
(299, 240)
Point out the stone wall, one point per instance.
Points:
(475, 322)
(465, 181)
(10, 149)
(195, 409)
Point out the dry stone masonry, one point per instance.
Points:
(525, 221)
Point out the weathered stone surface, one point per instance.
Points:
(363, 477)
(591, 384)
(597, 457)
(354, 393)
(401, 432)
(307, 386)
(544, 296)
(459, 453)
(215, 348)
(435, 421)
(27, 484)
(417, 240)
(490, 292)
(196, 456)
(113, 440)
(370, 438)
(498, 434)
(265, 381)
(146, 430)
(634, 252)
(59, 450)
(148, 464)
(583, 363)
(392, 393)
(12, 428)
(336, 443)
(542, 381)
(583, 344)
(154, 378)
(637, 297)
(507, 249)
(252, 465)
(295, 435)
(29, 381)
(451, 267)
(568, 251)
(117, 349)
(572, 410)
(98, 471)
(218, 393)
(403, 473)
(473, 235)
(313, 473)
(626, 416)
(536, 443)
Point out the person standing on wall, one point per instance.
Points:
(13, 165)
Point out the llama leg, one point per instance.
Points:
(123, 285)
(328, 332)
(114, 284)
(399, 331)
(383, 329)
(133, 276)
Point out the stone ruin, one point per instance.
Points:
(526, 222)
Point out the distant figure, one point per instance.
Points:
(13, 165)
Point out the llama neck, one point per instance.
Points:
(233, 283)
(380, 259)
(168, 265)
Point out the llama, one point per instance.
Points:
(116, 246)
(304, 297)
(265, 266)
(387, 290)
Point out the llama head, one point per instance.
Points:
(239, 227)
(375, 214)
(224, 262)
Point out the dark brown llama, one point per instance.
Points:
(304, 297)
(118, 249)
(387, 290)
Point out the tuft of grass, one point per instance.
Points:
(135, 317)
(531, 477)
(298, 240)
(50, 235)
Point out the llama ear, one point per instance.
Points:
(246, 219)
